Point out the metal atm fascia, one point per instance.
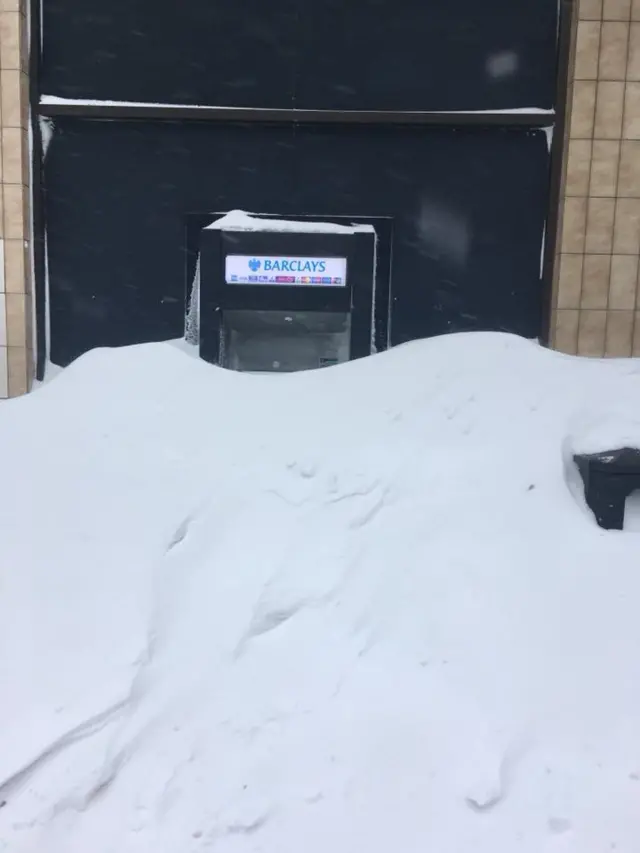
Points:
(219, 297)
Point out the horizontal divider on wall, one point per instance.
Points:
(527, 117)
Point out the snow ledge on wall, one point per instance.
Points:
(54, 100)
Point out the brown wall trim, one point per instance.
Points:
(38, 283)
(567, 11)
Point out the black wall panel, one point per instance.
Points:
(468, 208)
(221, 52)
(316, 54)
(426, 54)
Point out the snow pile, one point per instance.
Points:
(239, 220)
(350, 610)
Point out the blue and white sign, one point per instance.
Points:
(279, 270)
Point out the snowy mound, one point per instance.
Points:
(351, 610)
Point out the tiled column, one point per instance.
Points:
(16, 345)
(596, 300)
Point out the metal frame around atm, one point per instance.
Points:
(356, 298)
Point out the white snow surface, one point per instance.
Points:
(239, 220)
(357, 609)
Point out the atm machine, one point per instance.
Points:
(278, 296)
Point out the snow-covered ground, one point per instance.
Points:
(359, 610)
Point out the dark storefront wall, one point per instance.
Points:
(315, 54)
(468, 204)
(467, 209)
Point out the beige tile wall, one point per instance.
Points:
(16, 356)
(596, 294)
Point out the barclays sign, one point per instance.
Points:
(284, 270)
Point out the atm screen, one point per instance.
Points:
(283, 341)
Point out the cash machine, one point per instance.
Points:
(279, 296)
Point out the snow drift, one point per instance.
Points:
(357, 609)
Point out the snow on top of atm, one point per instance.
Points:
(238, 220)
